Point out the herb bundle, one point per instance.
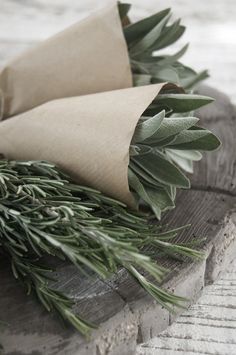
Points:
(165, 145)
(145, 39)
(166, 140)
(42, 213)
(142, 145)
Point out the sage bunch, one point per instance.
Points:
(146, 40)
(167, 139)
(166, 142)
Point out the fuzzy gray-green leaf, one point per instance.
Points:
(161, 169)
(183, 103)
(148, 127)
(170, 127)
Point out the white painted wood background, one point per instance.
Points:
(209, 327)
(211, 29)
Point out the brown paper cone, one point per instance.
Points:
(87, 136)
(89, 57)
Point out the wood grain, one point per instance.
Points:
(208, 327)
(221, 177)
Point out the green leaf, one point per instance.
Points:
(145, 38)
(144, 177)
(193, 80)
(170, 127)
(135, 183)
(156, 198)
(169, 74)
(183, 102)
(196, 140)
(141, 79)
(148, 127)
(163, 143)
(160, 200)
(149, 39)
(190, 135)
(193, 155)
(171, 59)
(183, 163)
(137, 30)
(169, 35)
(139, 67)
(161, 169)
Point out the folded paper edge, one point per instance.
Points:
(116, 185)
(1, 104)
(5, 106)
(156, 90)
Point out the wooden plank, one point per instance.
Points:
(204, 210)
(208, 327)
(217, 171)
(176, 346)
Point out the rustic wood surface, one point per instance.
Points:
(209, 206)
(208, 327)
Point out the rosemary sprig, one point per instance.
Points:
(42, 213)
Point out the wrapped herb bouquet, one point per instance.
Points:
(148, 36)
(89, 134)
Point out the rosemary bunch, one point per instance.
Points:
(43, 213)
(145, 39)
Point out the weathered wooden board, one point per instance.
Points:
(208, 327)
(208, 206)
(221, 177)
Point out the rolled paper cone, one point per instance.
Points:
(89, 57)
(86, 136)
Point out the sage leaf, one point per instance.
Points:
(137, 30)
(205, 142)
(183, 103)
(148, 127)
(146, 42)
(161, 169)
(172, 126)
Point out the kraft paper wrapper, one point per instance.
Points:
(88, 57)
(87, 136)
